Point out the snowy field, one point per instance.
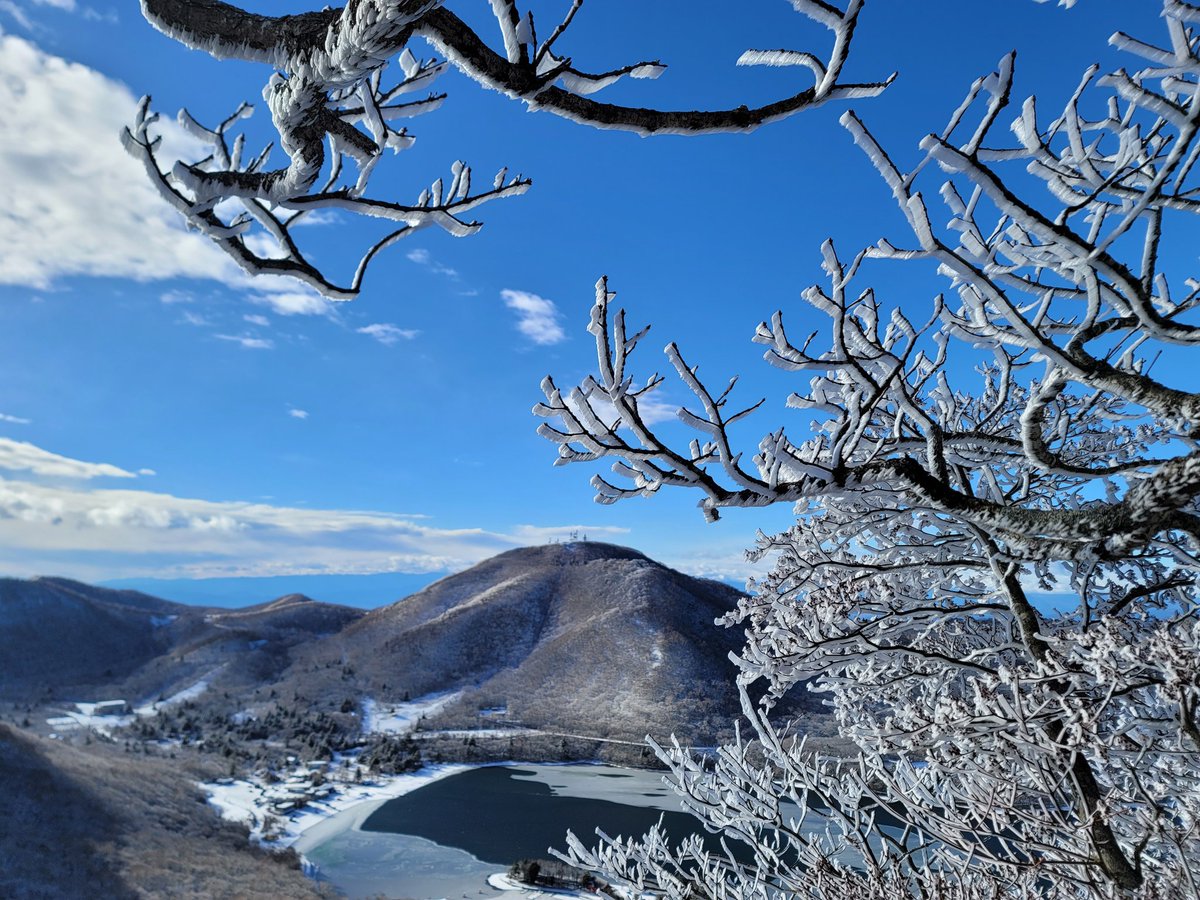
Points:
(91, 715)
(401, 718)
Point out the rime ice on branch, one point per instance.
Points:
(1014, 436)
(328, 102)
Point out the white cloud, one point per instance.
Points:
(319, 217)
(67, 5)
(262, 244)
(248, 343)
(262, 321)
(98, 534)
(294, 303)
(146, 472)
(108, 17)
(298, 413)
(75, 202)
(20, 456)
(731, 566)
(422, 258)
(18, 15)
(387, 333)
(537, 317)
(191, 318)
(15, 420)
(651, 409)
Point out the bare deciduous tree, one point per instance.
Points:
(1011, 438)
(329, 88)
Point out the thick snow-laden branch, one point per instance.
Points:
(204, 193)
(328, 103)
(1013, 437)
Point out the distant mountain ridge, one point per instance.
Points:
(586, 638)
(57, 634)
(60, 631)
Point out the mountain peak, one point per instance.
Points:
(289, 599)
(587, 637)
(570, 552)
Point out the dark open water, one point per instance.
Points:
(500, 814)
(444, 839)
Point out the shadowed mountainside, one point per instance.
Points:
(102, 823)
(588, 638)
(59, 632)
(63, 635)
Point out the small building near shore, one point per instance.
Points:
(104, 708)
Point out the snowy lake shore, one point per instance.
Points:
(320, 808)
(347, 806)
(339, 817)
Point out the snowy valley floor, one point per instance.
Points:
(338, 819)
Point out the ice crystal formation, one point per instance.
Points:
(338, 104)
(954, 456)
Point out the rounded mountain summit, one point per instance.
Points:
(586, 637)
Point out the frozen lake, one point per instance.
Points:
(444, 839)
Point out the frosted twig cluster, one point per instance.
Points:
(1015, 437)
(329, 103)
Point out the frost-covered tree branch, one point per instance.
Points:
(1035, 428)
(329, 104)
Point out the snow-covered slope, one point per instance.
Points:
(584, 638)
(58, 632)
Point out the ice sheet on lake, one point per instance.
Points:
(370, 864)
(635, 787)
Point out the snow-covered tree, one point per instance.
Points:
(1033, 430)
(333, 101)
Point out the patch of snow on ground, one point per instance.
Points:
(254, 801)
(479, 732)
(502, 882)
(100, 724)
(191, 692)
(401, 718)
(656, 654)
(90, 715)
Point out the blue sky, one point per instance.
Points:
(163, 418)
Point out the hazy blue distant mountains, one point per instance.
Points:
(586, 638)
(364, 591)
